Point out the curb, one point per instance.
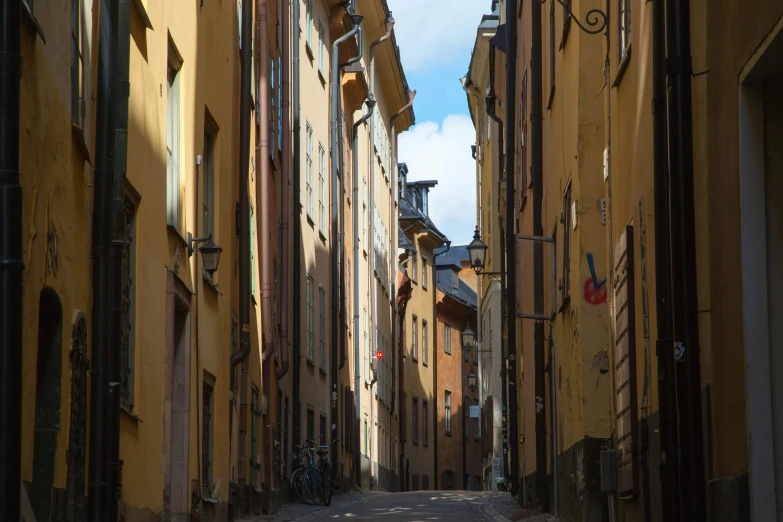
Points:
(488, 511)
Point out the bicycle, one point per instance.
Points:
(300, 463)
(325, 471)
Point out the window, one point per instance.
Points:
(172, 143)
(404, 417)
(415, 336)
(252, 253)
(309, 24)
(415, 413)
(321, 49)
(309, 169)
(280, 102)
(551, 54)
(415, 482)
(77, 79)
(255, 462)
(209, 187)
(322, 331)
(415, 267)
(423, 272)
(366, 439)
(239, 19)
(424, 342)
(425, 422)
(476, 483)
(476, 425)
(206, 441)
(310, 319)
(466, 417)
(323, 429)
(566, 21)
(321, 189)
(448, 412)
(454, 279)
(272, 110)
(234, 348)
(128, 341)
(364, 215)
(348, 299)
(310, 423)
(366, 350)
(475, 352)
(425, 482)
(465, 351)
(447, 339)
(566, 289)
(624, 12)
(523, 138)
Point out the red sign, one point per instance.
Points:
(379, 355)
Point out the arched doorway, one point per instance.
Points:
(47, 402)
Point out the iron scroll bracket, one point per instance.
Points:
(596, 19)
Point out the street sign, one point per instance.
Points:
(475, 412)
(379, 355)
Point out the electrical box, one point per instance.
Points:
(608, 471)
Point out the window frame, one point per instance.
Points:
(447, 408)
(415, 415)
(565, 291)
(424, 272)
(425, 439)
(414, 337)
(309, 24)
(466, 417)
(624, 27)
(552, 55)
(322, 331)
(77, 65)
(173, 141)
(322, 229)
(414, 268)
(309, 170)
(447, 338)
(207, 435)
(309, 298)
(128, 359)
(322, 59)
(424, 356)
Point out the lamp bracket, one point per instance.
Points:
(595, 18)
(193, 241)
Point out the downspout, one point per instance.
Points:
(683, 255)
(435, 256)
(244, 225)
(101, 262)
(536, 160)
(244, 203)
(297, 235)
(12, 263)
(286, 196)
(511, 279)
(553, 420)
(268, 337)
(119, 240)
(357, 359)
(667, 394)
(336, 189)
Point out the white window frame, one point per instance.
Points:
(321, 189)
(447, 401)
(173, 115)
(309, 168)
(322, 327)
(310, 297)
(447, 338)
(321, 49)
(424, 356)
(309, 24)
(415, 338)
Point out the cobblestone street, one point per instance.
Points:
(447, 506)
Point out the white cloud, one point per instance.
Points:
(442, 153)
(436, 33)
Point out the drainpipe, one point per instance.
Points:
(357, 359)
(537, 167)
(286, 196)
(511, 279)
(12, 263)
(297, 235)
(435, 256)
(683, 255)
(118, 242)
(553, 419)
(101, 263)
(244, 203)
(667, 394)
(335, 148)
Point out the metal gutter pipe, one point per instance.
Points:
(297, 235)
(118, 243)
(357, 361)
(335, 185)
(511, 296)
(435, 256)
(12, 262)
(537, 168)
(667, 394)
(101, 265)
(286, 196)
(244, 203)
(683, 254)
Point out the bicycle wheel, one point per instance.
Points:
(298, 485)
(326, 479)
(313, 486)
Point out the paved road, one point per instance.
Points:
(446, 506)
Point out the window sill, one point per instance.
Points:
(310, 363)
(174, 230)
(253, 298)
(322, 236)
(210, 284)
(622, 67)
(34, 21)
(125, 411)
(551, 97)
(321, 77)
(78, 137)
(448, 434)
(424, 364)
(209, 500)
(139, 5)
(447, 352)
(416, 360)
(323, 372)
(310, 221)
(426, 444)
(309, 52)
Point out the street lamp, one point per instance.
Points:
(468, 338)
(210, 252)
(477, 250)
(472, 380)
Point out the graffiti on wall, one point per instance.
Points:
(594, 291)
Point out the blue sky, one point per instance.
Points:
(436, 38)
